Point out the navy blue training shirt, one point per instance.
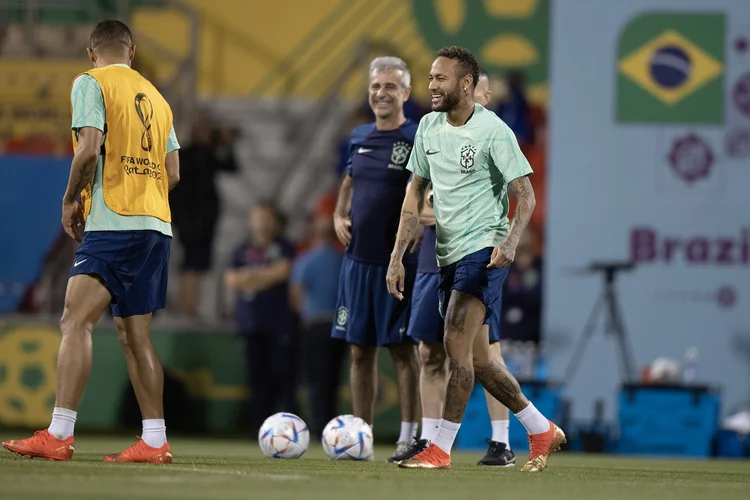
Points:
(427, 258)
(377, 165)
(268, 311)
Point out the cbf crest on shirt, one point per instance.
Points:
(377, 165)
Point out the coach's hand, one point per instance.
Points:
(394, 278)
(72, 219)
(343, 227)
(503, 254)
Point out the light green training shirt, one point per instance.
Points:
(88, 111)
(470, 167)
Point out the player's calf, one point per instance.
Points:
(544, 436)
(364, 380)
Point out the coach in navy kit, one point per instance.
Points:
(366, 219)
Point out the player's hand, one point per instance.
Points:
(343, 227)
(72, 219)
(394, 278)
(416, 238)
(503, 254)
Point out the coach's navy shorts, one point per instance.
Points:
(426, 324)
(366, 314)
(471, 276)
(134, 266)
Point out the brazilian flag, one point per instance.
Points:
(671, 69)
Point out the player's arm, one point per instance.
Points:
(341, 221)
(84, 162)
(82, 171)
(410, 213)
(173, 169)
(523, 192)
(509, 159)
(419, 233)
(172, 162)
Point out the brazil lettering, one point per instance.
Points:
(141, 166)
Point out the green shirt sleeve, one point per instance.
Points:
(87, 103)
(417, 159)
(507, 156)
(172, 144)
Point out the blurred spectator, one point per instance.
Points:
(260, 277)
(522, 295)
(196, 206)
(313, 294)
(513, 108)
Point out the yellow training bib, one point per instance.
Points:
(137, 125)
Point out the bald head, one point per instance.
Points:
(482, 93)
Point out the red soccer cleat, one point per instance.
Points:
(431, 458)
(542, 445)
(140, 452)
(42, 445)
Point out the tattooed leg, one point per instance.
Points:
(463, 320)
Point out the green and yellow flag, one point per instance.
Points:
(671, 69)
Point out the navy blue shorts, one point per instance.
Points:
(134, 266)
(366, 314)
(426, 324)
(471, 276)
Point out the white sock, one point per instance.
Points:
(154, 432)
(63, 423)
(533, 420)
(446, 435)
(408, 432)
(500, 432)
(430, 428)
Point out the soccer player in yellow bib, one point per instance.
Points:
(126, 162)
(473, 160)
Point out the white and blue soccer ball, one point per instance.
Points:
(347, 437)
(284, 435)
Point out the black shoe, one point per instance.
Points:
(409, 451)
(498, 455)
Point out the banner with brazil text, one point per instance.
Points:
(650, 164)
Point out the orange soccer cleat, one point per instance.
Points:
(542, 445)
(140, 452)
(431, 458)
(42, 445)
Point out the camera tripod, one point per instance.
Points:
(608, 305)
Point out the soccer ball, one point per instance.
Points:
(283, 435)
(348, 438)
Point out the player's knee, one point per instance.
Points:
(362, 356)
(404, 354)
(432, 356)
(75, 324)
(122, 336)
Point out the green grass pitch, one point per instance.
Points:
(210, 469)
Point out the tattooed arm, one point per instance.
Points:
(504, 253)
(81, 174)
(410, 212)
(525, 203)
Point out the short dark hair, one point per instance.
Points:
(467, 63)
(111, 34)
(483, 73)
